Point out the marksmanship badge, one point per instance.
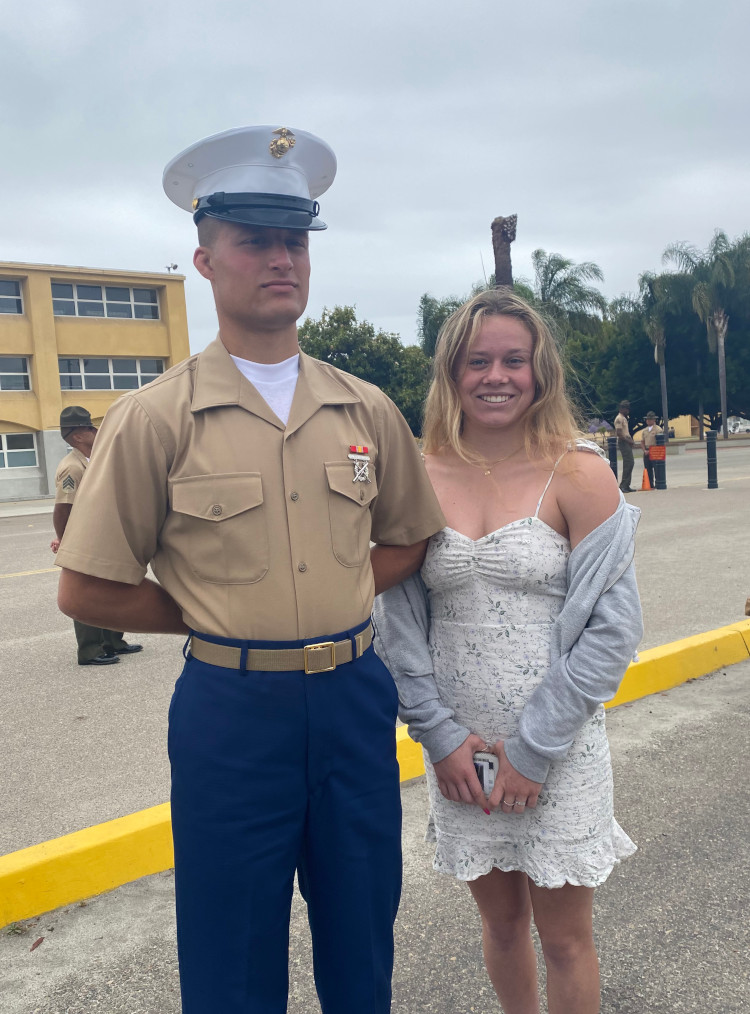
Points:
(359, 455)
(281, 144)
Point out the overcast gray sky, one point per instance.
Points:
(611, 127)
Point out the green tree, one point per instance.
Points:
(654, 306)
(713, 273)
(561, 287)
(401, 371)
(431, 316)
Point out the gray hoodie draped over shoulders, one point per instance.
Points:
(592, 642)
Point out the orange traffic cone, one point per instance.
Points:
(645, 484)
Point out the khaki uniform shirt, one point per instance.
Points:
(69, 475)
(648, 437)
(622, 428)
(257, 530)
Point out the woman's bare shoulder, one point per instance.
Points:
(586, 492)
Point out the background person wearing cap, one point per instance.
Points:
(262, 476)
(625, 445)
(648, 440)
(96, 646)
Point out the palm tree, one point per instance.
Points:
(654, 305)
(560, 285)
(431, 316)
(712, 273)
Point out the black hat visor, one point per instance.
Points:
(276, 211)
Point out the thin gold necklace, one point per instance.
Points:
(489, 465)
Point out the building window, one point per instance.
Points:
(107, 374)
(10, 297)
(14, 373)
(17, 450)
(73, 299)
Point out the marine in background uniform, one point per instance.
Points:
(252, 478)
(96, 646)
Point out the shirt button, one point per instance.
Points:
(294, 496)
(217, 510)
(302, 567)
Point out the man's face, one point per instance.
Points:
(260, 276)
(82, 439)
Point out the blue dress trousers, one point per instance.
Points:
(272, 773)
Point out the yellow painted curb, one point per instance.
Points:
(660, 669)
(409, 753)
(77, 866)
(88, 862)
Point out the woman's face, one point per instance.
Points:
(496, 385)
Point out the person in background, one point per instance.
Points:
(96, 646)
(253, 478)
(510, 642)
(648, 440)
(625, 445)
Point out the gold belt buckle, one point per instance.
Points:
(329, 645)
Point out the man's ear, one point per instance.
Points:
(202, 262)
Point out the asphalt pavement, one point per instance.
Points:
(82, 745)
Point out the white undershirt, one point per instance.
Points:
(275, 382)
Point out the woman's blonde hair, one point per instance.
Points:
(549, 423)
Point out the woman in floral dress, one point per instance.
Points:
(522, 624)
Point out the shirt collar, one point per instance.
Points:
(218, 382)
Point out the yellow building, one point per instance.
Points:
(75, 336)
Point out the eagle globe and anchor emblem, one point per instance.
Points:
(283, 143)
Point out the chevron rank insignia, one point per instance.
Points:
(68, 482)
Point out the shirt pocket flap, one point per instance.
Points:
(217, 497)
(341, 480)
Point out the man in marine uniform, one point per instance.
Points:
(253, 479)
(96, 646)
(648, 440)
(625, 445)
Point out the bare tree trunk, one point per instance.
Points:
(664, 407)
(721, 323)
(700, 400)
(503, 234)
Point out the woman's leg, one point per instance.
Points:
(505, 907)
(564, 919)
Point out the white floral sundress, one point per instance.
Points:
(493, 602)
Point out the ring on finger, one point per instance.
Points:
(509, 802)
(520, 802)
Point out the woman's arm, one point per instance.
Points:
(402, 624)
(587, 495)
(599, 626)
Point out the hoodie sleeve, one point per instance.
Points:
(579, 680)
(402, 625)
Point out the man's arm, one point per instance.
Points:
(60, 516)
(393, 564)
(622, 431)
(144, 608)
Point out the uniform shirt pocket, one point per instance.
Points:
(349, 503)
(220, 523)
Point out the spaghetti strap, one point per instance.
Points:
(551, 477)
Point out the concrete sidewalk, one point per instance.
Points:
(671, 923)
(82, 746)
(24, 508)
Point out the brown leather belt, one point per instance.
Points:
(323, 656)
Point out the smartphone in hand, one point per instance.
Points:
(486, 766)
